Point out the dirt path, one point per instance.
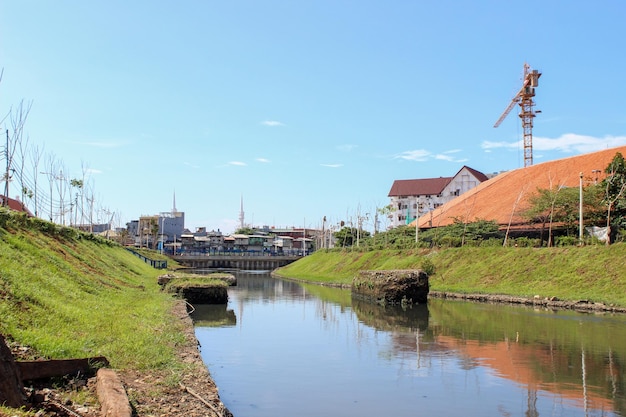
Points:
(190, 392)
(153, 393)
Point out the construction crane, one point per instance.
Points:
(524, 98)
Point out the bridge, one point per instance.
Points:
(235, 261)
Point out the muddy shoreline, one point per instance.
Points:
(545, 302)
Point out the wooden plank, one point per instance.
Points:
(11, 388)
(111, 394)
(59, 367)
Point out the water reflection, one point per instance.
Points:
(278, 344)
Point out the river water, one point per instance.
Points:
(282, 349)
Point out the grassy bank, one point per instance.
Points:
(569, 273)
(68, 294)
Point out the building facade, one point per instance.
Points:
(410, 199)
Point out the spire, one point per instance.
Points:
(174, 207)
(241, 214)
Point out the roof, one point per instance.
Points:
(503, 198)
(425, 186)
(428, 186)
(479, 175)
(15, 205)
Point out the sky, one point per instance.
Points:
(301, 109)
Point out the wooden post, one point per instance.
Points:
(11, 388)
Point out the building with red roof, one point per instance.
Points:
(15, 205)
(413, 198)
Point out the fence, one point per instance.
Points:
(155, 263)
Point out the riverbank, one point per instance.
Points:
(194, 394)
(591, 276)
(65, 294)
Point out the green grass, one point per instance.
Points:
(69, 295)
(190, 280)
(570, 273)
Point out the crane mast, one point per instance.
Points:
(524, 98)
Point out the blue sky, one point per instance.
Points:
(305, 108)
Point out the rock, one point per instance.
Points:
(392, 287)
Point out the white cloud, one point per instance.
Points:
(94, 171)
(445, 157)
(237, 163)
(264, 160)
(419, 155)
(568, 143)
(422, 155)
(346, 147)
(332, 165)
(189, 164)
(272, 123)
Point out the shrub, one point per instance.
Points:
(428, 266)
(526, 242)
(566, 241)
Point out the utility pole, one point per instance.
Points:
(5, 201)
(580, 211)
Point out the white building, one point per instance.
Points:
(414, 198)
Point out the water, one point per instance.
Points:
(284, 349)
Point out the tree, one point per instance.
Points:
(78, 184)
(244, 231)
(347, 236)
(561, 206)
(614, 199)
(154, 232)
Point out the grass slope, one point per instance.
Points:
(68, 295)
(570, 273)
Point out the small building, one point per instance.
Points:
(15, 205)
(283, 244)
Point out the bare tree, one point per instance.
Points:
(35, 157)
(14, 141)
(52, 165)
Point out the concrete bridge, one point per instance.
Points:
(235, 261)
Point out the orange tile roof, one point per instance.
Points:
(503, 198)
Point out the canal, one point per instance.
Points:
(281, 348)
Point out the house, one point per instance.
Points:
(15, 205)
(410, 199)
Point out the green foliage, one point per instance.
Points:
(428, 266)
(568, 273)
(244, 231)
(602, 203)
(71, 294)
(351, 236)
(525, 242)
(614, 199)
(555, 206)
(566, 241)
(455, 235)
